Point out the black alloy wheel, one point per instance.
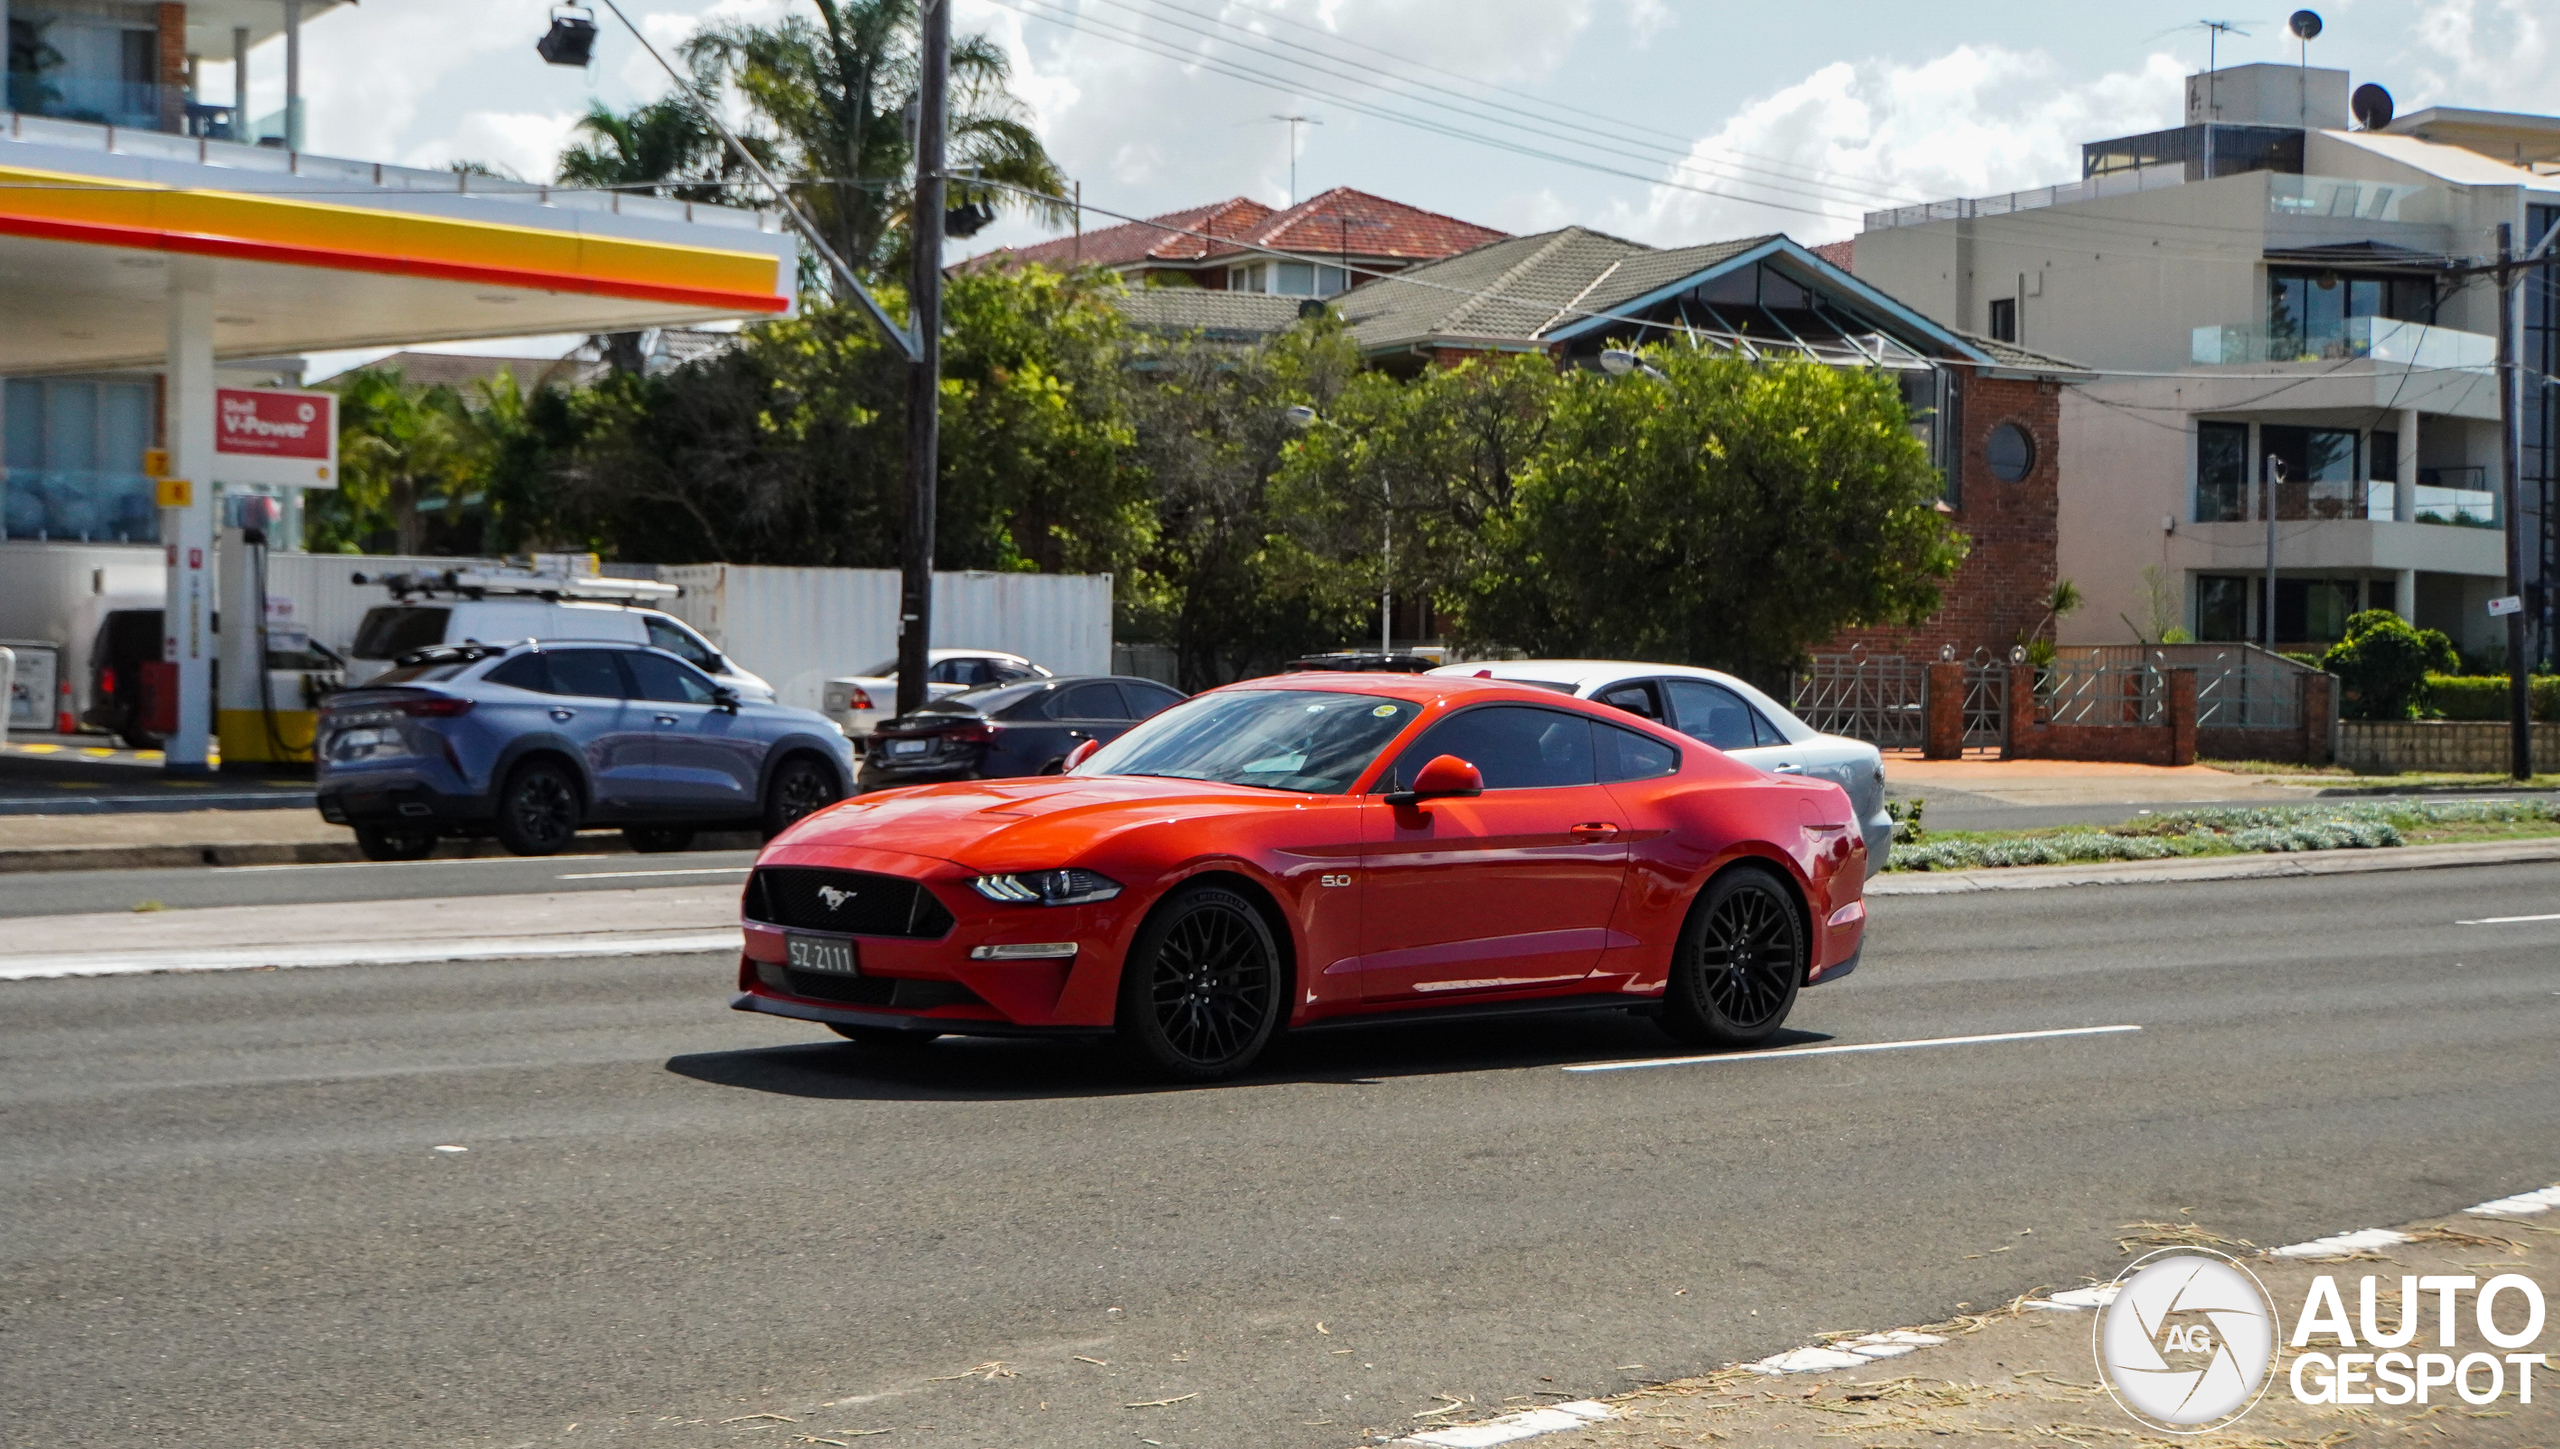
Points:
(657, 839)
(1202, 991)
(395, 842)
(1740, 961)
(801, 785)
(538, 810)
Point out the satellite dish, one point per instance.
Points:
(2305, 24)
(2372, 105)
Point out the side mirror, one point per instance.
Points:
(724, 699)
(1080, 754)
(1445, 776)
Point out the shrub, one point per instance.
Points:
(2383, 663)
(2476, 696)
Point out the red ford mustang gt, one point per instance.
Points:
(1303, 851)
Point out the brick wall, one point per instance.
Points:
(1996, 594)
(173, 67)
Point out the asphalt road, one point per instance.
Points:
(225, 1221)
(62, 893)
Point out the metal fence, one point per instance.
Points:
(1877, 698)
(2102, 691)
(1986, 704)
(2238, 686)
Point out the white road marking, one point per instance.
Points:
(367, 864)
(2506, 920)
(1528, 1423)
(2522, 1205)
(369, 953)
(636, 874)
(1878, 1046)
(2363, 1240)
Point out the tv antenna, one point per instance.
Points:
(1294, 123)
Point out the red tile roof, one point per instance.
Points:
(1839, 254)
(1322, 225)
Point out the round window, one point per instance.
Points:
(2010, 452)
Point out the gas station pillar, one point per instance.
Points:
(187, 530)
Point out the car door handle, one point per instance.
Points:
(666, 719)
(1787, 770)
(564, 715)
(1595, 830)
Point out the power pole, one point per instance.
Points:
(2274, 470)
(2511, 497)
(924, 394)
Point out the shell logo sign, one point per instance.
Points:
(280, 439)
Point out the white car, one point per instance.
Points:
(1722, 711)
(859, 702)
(391, 630)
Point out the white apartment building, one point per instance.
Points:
(2271, 281)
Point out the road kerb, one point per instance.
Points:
(2215, 867)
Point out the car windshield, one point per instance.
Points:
(1316, 741)
(885, 669)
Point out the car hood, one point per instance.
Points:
(1023, 824)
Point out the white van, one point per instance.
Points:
(391, 630)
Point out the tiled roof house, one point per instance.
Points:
(1333, 241)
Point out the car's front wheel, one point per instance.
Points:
(800, 786)
(395, 842)
(1202, 991)
(538, 809)
(1740, 961)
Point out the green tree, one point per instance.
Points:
(398, 447)
(2382, 665)
(1729, 513)
(835, 94)
(1238, 579)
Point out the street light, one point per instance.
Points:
(1619, 361)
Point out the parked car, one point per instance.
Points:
(1027, 727)
(1722, 711)
(126, 639)
(390, 631)
(858, 702)
(1313, 850)
(532, 742)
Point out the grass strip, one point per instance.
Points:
(2236, 830)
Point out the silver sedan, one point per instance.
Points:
(1722, 711)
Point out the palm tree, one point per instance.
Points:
(838, 94)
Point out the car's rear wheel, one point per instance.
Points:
(395, 842)
(538, 809)
(657, 839)
(1739, 964)
(800, 786)
(1202, 991)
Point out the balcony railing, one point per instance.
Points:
(2379, 339)
(131, 104)
(2349, 200)
(2459, 497)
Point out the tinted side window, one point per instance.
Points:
(392, 630)
(1711, 714)
(1038, 704)
(949, 671)
(1146, 699)
(665, 635)
(1768, 733)
(1635, 697)
(1091, 701)
(525, 671)
(1514, 746)
(655, 676)
(589, 673)
(1626, 755)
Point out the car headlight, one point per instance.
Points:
(1047, 887)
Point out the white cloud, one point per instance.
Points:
(1850, 138)
(525, 143)
(2491, 56)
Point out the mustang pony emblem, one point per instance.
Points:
(834, 899)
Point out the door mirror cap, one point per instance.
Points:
(1443, 777)
(724, 698)
(1080, 754)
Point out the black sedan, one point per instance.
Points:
(1027, 727)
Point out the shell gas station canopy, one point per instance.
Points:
(133, 249)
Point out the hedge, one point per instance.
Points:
(2485, 696)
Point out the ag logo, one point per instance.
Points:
(2186, 1344)
(832, 898)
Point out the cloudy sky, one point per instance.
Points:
(1680, 122)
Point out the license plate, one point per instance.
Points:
(909, 747)
(819, 953)
(358, 739)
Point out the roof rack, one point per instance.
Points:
(485, 583)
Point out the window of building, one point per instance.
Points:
(2010, 453)
(2313, 611)
(2319, 473)
(2222, 607)
(2004, 319)
(73, 456)
(1289, 279)
(2222, 476)
(2308, 309)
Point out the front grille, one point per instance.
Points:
(892, 991)
(853, 903)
